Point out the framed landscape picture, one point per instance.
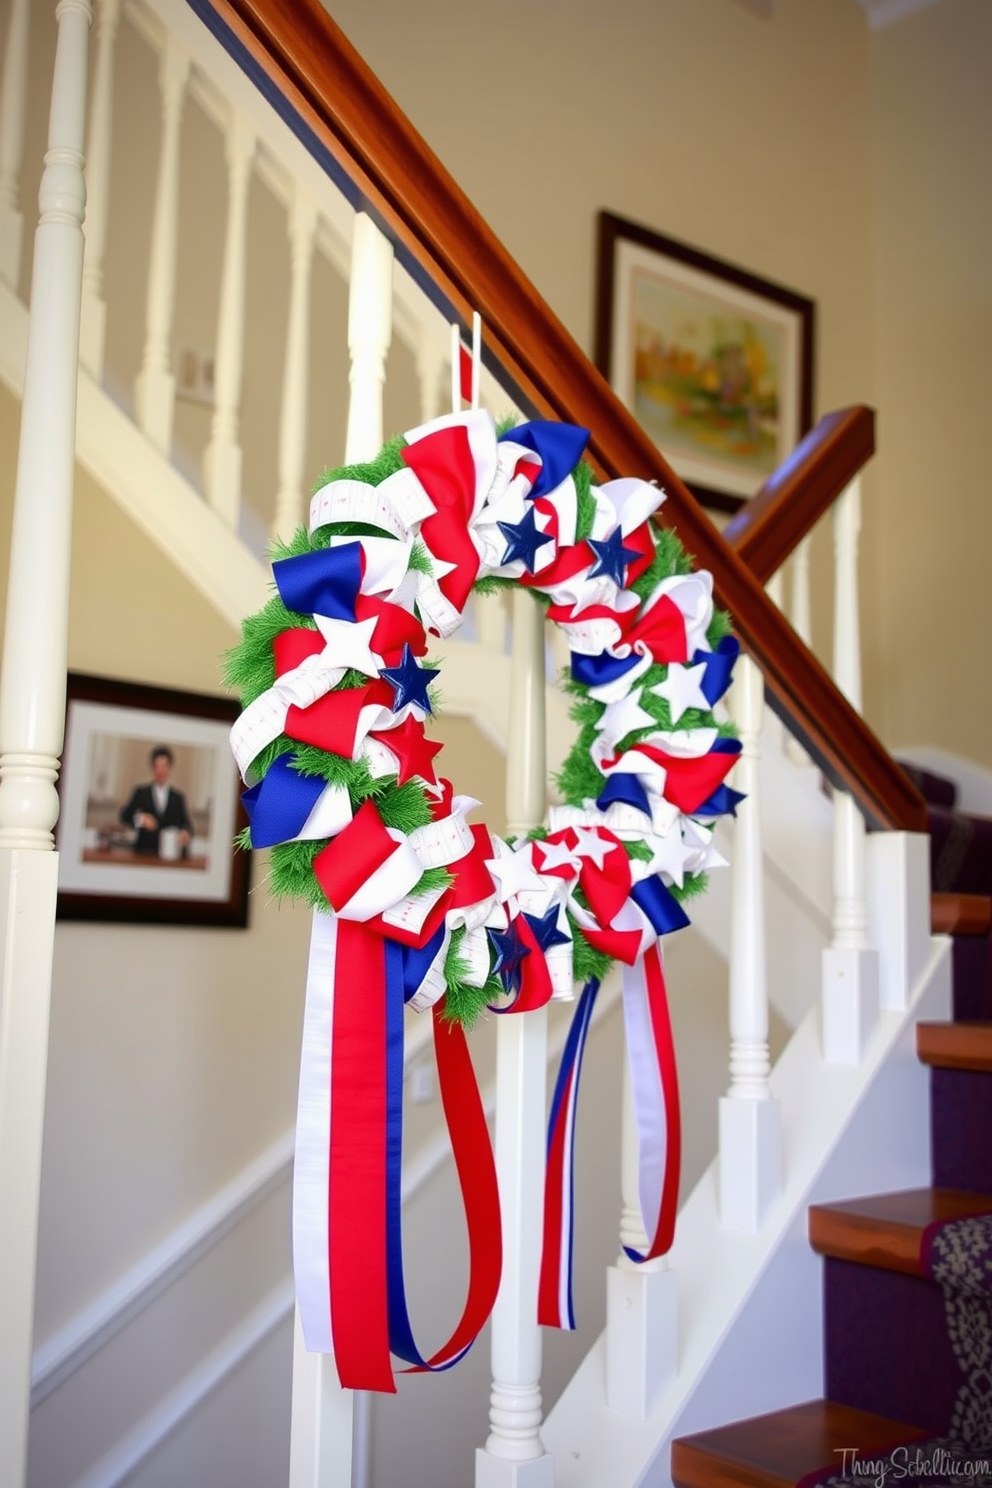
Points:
(715, 363)
(149, 807)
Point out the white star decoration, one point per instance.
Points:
(591, 845)
(515, 874)
(622, 718)
(346, 643)
(671, 855)
(556, 855)
(681, 689)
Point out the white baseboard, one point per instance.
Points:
(126, 1455)
(95, 1325)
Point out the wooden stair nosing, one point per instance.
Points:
(960, 914)
(886, 1230)
(776, 1450)
(961, 1046)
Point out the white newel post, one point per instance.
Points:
(641, 1300)
(13, 107)
(155, 385)
(750, 1118)
(370, 329)
(514, 1455)
(295, 381)
(327, 1421)
(93, 322)
(32, 712)
(222, 457)
(850, 965)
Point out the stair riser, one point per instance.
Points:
(886, 1346)
(961, 1120)
(972, 978)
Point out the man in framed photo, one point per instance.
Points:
(158, 807)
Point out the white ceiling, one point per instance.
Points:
(883, 12)
(879, 12)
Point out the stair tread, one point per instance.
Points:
(966, 1046)
(960, 914)
(776, 1450)
(885, 1230)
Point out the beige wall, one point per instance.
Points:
(932, 121)
(848, 164)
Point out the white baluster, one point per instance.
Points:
(32, 712)
(155, 386)
(750, 1119)
(773, 731)
(13, 108)
(370, 329)
(321, 1423)
(222, 457)
(641, 1300)
(432, 365)
(295, 382)
(93, 324)
(800, 613)
(800, 609)
(850, 965)
(490, 620)
(327, 1419)
(514, 1454)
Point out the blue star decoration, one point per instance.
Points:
(510, 951)
(523, 539)
(410, 682)
(545, 928)
(612, 557)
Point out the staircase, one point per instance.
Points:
(906, 1352)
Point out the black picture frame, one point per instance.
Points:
(112, 728)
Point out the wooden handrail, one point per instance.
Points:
(321, 86)
(790, 503)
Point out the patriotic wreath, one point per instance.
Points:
(411, 899)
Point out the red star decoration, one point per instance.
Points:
(412, 748)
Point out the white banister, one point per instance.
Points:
(93, 322)
(750, 1119)
(32, 714)
(370, 329)
(222, 457)
(13, 108)
(641, 1300)
(514, 1455)
(850, 965)
(155, 386)
(295, 381)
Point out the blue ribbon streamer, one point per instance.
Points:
(719, 668)
(280, 803)
(560, 447)
(660, 905)
(401, 1339)
(596, 671)
(574, 1049)
(723, 802)
(325, 582)
(626, 788)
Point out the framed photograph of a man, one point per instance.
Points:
(715, 363)
(149, 807)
